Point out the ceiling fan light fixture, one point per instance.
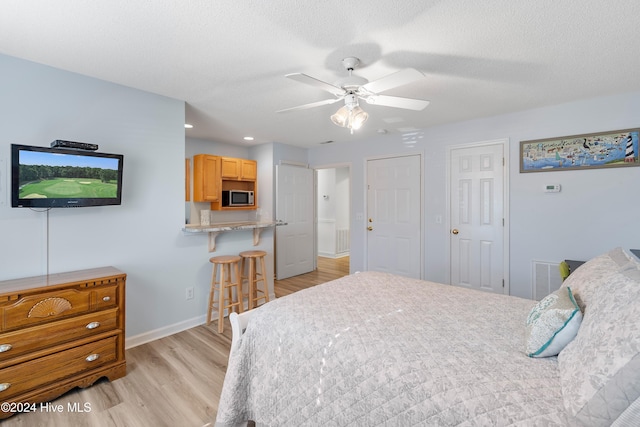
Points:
(357, 117)
(350, 117)
(353, 88)
(341, 117)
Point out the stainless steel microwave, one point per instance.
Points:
(237, 198)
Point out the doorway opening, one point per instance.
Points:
(333, 216)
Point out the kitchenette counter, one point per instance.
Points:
(215, 229)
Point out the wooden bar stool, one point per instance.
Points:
(253, 276)
(228, 266)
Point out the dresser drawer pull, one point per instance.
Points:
(93, 325)
(5, 347)
(4, 386)
(92, 357)
(106, 299)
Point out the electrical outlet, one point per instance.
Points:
(189, 294)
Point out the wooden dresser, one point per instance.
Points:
(60, 331)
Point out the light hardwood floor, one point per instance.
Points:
(328, 269)
(173, 381)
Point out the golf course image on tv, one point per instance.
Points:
(49, 175)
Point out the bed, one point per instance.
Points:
(378, 349)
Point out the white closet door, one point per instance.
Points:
(295, 241)
(394, 236)
(477, 217)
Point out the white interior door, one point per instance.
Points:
(295, 243)
(477, 217)
(394, 236)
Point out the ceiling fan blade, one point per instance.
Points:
(303, 78)
(311, 105)
(399, 78)
(397, 102)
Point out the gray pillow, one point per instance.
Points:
(600, 368)
(590, 275)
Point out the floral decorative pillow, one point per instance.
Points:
(600, 368)
(552, 324)
(590, 275)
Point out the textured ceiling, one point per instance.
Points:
(227, 59)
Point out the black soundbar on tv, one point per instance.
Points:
(60, 143)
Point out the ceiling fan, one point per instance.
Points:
(352, 88)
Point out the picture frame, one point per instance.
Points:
(612, 149)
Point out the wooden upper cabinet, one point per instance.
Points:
(230, 168)
(214, 174)
(239, 169)
(249, 170)
(206, 178)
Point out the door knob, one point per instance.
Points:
(455, 231)
(370, 228)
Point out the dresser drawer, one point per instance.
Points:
(40, 337)
(55, 367)
(106, 296)
(46, 307)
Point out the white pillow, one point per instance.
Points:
(600, 368)
(552, 324)
(590, 275)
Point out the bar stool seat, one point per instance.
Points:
(257, 273)
(227, 266)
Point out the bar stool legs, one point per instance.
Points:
(228, 266)
(253, 276)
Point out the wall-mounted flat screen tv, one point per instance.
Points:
(43, 177)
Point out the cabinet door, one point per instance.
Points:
(231, 168)
(249, 170)
(206, 178)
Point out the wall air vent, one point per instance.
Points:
(546, 278)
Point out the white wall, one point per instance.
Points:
(343, 197)
(288, 153)
(143, 236)
(590, 216)
(263, 154)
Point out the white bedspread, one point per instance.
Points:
(376, 349)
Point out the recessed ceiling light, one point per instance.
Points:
(248, 138)
(188, 126)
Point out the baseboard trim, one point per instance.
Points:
(165, 331)
(333, 256)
